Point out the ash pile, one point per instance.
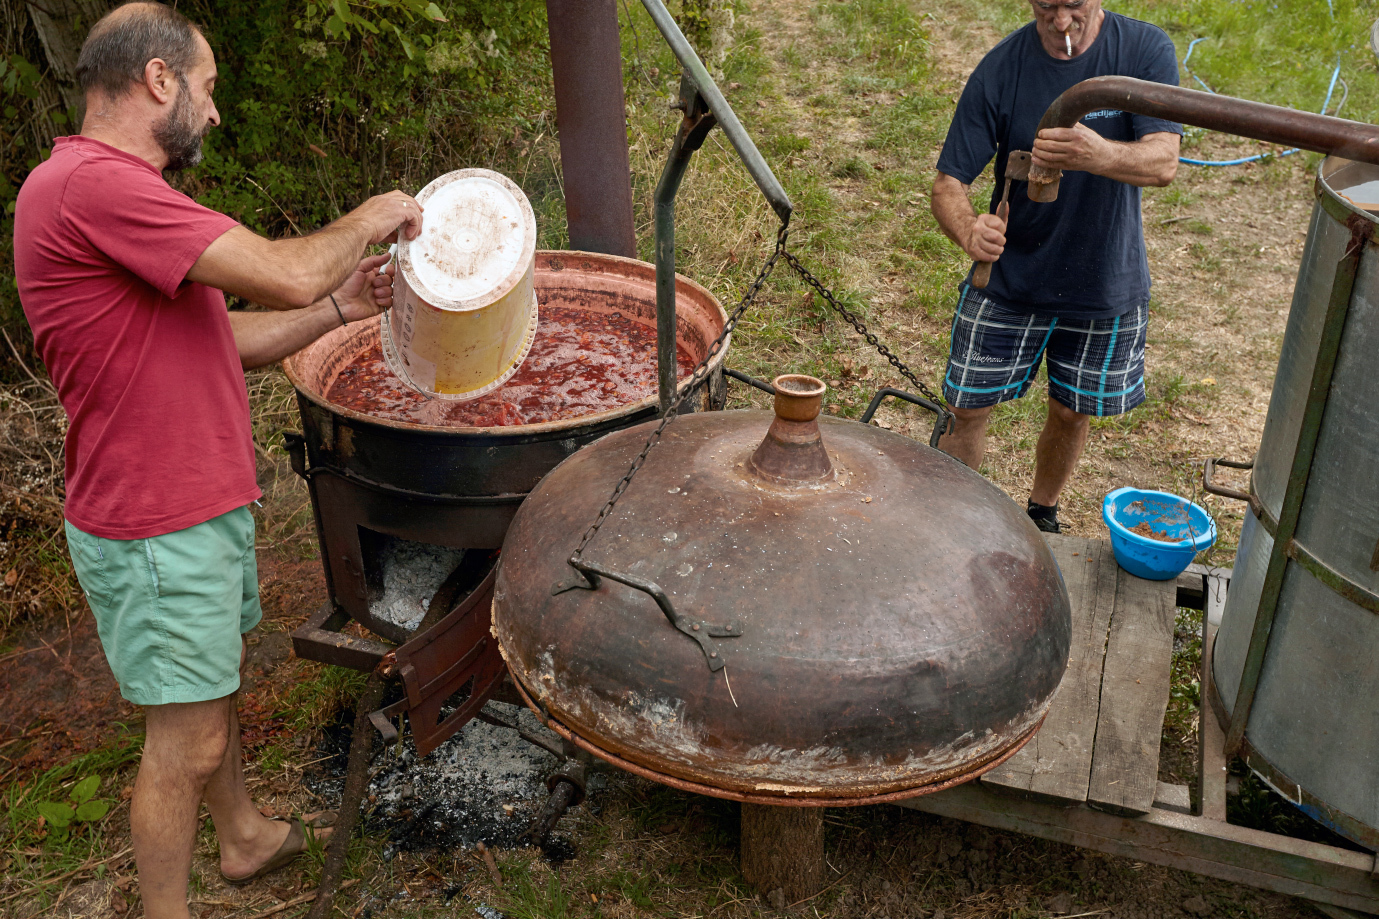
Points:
(485, 784)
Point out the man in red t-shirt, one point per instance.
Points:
(121, 278)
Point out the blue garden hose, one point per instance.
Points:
(1335, 76)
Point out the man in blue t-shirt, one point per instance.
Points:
(1070, 279)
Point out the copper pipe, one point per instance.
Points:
(1320, 133)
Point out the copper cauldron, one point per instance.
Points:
(847, 616)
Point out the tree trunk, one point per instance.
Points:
(783, 851)
(62, 26)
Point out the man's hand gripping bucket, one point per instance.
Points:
(464, 308)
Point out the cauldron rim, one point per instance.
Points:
(634, 270)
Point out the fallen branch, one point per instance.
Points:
(298, 901)
(490, 864)
(822, 892)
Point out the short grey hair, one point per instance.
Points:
(122, 43)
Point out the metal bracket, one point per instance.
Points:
(699, 118)
(382, 720)
(587, 576)
(1209, 473)
(750, 381)
(320, 639)
(942, 424)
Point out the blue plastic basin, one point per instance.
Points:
(1190, 526)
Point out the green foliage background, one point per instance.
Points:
(319, 111)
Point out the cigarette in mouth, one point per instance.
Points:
(1067, 37)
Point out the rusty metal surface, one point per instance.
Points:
(450, 653)
(320, 639)
(902, 622)
(1321, 133)
(448, 486)
(586, 63)
(976, 770)
(458, 650)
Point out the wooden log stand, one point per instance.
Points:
(783, 852)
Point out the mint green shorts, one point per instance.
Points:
(170, 609)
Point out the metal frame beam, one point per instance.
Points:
(1322, 873)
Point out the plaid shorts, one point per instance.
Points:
(1096, 366)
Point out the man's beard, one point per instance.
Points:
(179, 135)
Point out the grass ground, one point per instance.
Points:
(849, 101)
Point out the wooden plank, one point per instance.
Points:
(1176, 798)
(1191, 586)
(1325, 874)
(1056, 763)
(1211, 739)
(1134, 697)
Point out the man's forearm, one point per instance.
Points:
(1149, 161)
(268, 337)
(291, 274)
(952, 209)
(322, 260)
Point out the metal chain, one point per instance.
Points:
(696, 378)
(701, 371)
(857, 324)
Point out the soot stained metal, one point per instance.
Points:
(900, 624)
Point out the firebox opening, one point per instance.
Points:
(403, 575)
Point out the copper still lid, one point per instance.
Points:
(871, 618)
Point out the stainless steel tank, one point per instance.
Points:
(1296, 661)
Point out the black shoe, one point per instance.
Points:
(1044, 517)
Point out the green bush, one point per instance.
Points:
(323, 103)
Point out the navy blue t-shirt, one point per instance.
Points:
(1083, 255)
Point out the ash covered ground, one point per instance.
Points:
(486, 784)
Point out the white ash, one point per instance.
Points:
(485, 784)
(412, 573)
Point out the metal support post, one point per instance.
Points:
(590, 115)
(703, 106)
(694, 127)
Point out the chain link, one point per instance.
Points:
(857, 324)
(701, 371)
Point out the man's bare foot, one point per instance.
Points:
(273, 844)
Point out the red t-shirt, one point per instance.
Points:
(144, 361)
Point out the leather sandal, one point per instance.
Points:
(298, 836)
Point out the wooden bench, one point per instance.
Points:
(1100, 742)
(1090, 776)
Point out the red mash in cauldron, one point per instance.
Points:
(581, 362)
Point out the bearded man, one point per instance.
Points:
(1071, 279)
(121, 278)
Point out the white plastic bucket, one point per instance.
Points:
(464, 309)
